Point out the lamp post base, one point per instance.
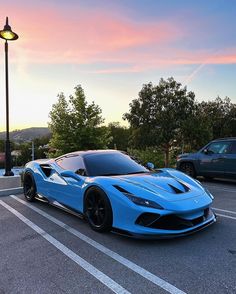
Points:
(8, 173)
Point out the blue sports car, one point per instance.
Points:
(114, 192)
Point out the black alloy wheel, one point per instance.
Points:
(29, 187)
(97, 209)
(188, 169)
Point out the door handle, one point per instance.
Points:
(218, 159)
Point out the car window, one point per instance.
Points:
(114, 163)
(73, 163)
(219, 147)
(233, 147)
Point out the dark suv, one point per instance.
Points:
(216, 159)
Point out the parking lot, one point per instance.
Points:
(46, 250)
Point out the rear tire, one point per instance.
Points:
(29, 187)
(188, 169)
(97, 209)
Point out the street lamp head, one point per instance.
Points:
(7, 34)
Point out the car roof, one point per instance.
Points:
(88, 152)
(225, 139)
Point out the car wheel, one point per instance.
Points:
(188, 169)
(29, 187)
(97, 209)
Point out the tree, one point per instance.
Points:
(76, 125)
(119, 136)
(2, 145)
(158, 115)
(220, 116)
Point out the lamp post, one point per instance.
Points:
(8, 35)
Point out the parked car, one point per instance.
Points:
(114, 192)
(216, 159)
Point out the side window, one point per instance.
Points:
(233, 147)
(219, 148)
(73, 163)
(47, 170)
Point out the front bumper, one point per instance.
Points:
(143, 232)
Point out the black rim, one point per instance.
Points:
(95, 209)
(28, 187)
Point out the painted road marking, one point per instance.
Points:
(224, 210)
(226, 216)
(111, 284)
(126, 262)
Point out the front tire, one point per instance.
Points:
(29, 187)
(97, 209)
(188, 169)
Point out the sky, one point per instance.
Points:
(112, 48)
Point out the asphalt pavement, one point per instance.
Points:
(46, 250)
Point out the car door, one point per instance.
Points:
(67, 190)
(230, 162)
(212, 160)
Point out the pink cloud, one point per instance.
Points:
(48, 35)
(80, 36)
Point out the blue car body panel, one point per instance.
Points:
(179, 196)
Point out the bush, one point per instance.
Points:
(148, 155)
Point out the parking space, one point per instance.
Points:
(45, 250)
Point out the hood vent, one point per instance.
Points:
(120, 189)
(177, 190)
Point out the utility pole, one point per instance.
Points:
(32, 148)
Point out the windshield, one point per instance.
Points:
(110, 164)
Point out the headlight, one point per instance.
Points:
(138, 200)
(209, 193)
(143, 202)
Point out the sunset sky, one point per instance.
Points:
(111, 48)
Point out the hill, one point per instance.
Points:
(28, 134)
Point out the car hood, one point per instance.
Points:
(187, 155)
(168, 185)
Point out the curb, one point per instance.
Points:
(7, 192)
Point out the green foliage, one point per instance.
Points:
(167, 117)
(210, 120)
(2, 145)
(23, 150)
(76, 125)
(119, 136)
(157, 117)
(25, 154)
(149, 154)
(219, 116)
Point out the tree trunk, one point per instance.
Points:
(167, 156)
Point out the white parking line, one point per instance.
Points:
(226, 216)
(111, 284)
(223, 210)
(127, 263)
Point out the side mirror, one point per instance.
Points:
(150, 165)
(208, 152)
(205, 151)
(70, 174)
